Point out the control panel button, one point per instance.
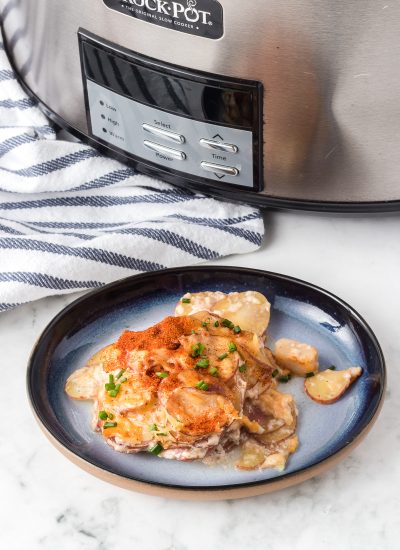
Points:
(219, 146)
(166, 134)
(219, 169)
(167, 151)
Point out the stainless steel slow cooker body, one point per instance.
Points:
(325, 131)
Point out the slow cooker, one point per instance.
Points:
(286, 103)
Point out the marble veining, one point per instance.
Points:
(48, 503)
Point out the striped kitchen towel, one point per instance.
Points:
(72, 219)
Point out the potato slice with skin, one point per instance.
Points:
(282, 433)
(295, 356)
(328, 386)
(249, 310)
(256, 372)
(278, 435)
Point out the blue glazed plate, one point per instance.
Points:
(300, 311)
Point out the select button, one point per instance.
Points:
(165, 134)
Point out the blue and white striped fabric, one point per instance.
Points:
(71, 219)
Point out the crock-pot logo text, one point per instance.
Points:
(174, 9)
(198, 17)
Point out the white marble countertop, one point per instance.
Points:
(48, 503)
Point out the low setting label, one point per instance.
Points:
(199, 17)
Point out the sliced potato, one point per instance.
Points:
(252, 456)
(276, 436)
(83, 383)
(256, 372)
(255, 456)
(328, 386)
(278, 405)
(217, 352)
(251, 426)
(278, 459)
(249, 310)
(109, 358)
(132, 435)
(197, 301)
(136, 394)
(285, 431)
(253, 344)
(295, 356)
(200, 412)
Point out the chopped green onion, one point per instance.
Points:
(110, 416)
(237, 329)
(162, 434)
(153, 428)
(156, 449)
(115, 391)
(222, 357)
(275, 373)
(310, 374)
(162, 374)
(111, 378)
(206, 323)
(194, 332)
(110, 425)
(186, 300)
(197, 349)
(202, 385)
(227, 323)
(103, 415)
(332, 367)
(284, 379)
(124, 379)
(243, 368)
(216, 324)
(121, 372)
(232, 347)
(110, 386)
(213, 371)
(202, 364)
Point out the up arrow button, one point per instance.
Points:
(219, 145)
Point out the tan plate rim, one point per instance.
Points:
(219, 493)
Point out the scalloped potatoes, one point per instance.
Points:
(192, 386)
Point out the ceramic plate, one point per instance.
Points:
(299, 310)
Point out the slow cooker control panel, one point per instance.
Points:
(203, 128)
